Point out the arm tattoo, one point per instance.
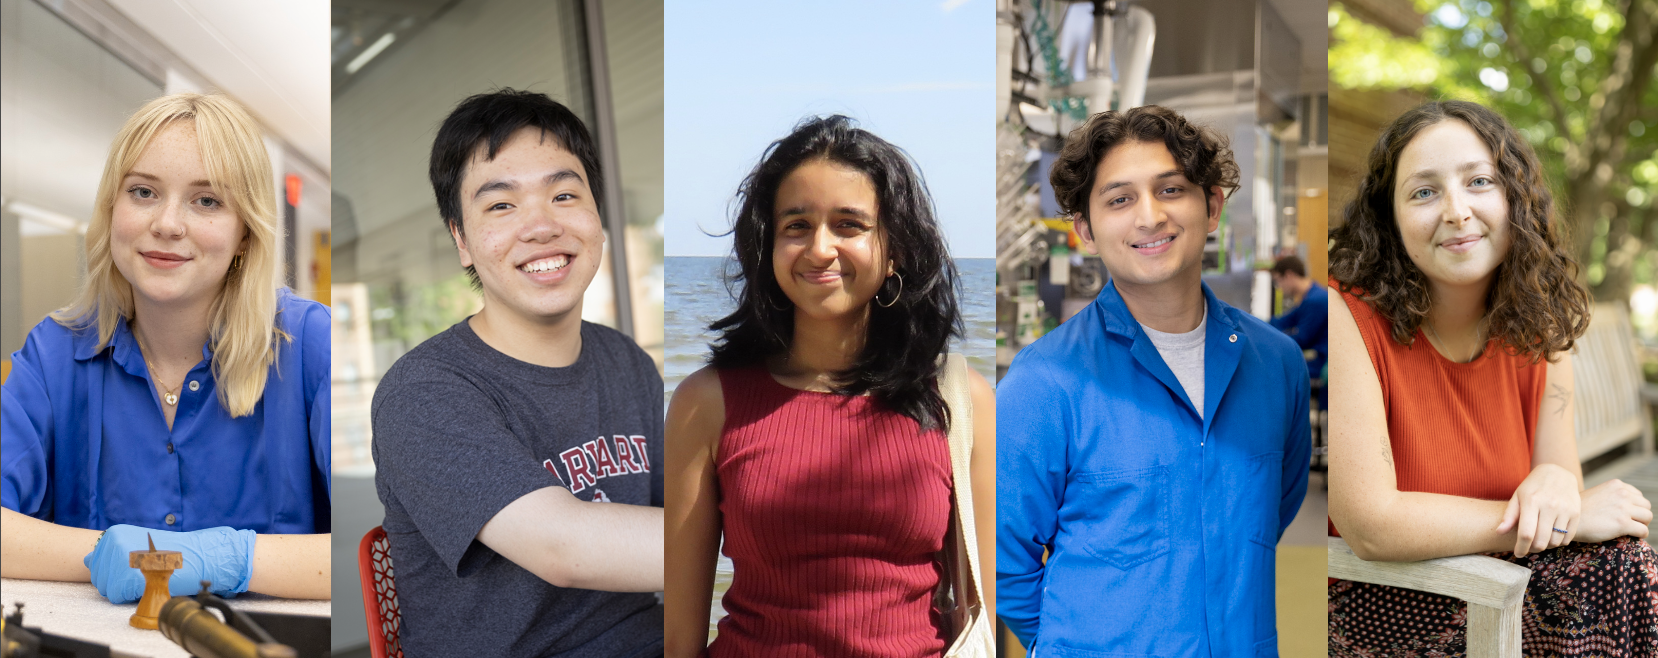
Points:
(1563, 395)
(1387, 450)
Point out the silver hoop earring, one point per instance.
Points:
(896, 295)
(773, 303)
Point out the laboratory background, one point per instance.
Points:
(71, 73)
(1254, 71)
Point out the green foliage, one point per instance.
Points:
(412, 315)
(1464, 51)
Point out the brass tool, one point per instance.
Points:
(158, 566)
(188, 623)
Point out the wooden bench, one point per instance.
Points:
(1611, 411)
(1611, 399)
(1493, 588)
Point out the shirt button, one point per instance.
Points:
(171, 519)
(195, 386)
(169, 447)
(1233, 339)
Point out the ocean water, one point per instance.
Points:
(696, 296)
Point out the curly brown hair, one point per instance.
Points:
(1203, 154)
(1536, 306)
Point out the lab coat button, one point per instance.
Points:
(1233, 339)
(171, 519)
(195, 386)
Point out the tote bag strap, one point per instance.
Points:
(953, 386)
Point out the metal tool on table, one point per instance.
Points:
(189, 623)
(18, 641)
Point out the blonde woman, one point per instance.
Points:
(182, 396)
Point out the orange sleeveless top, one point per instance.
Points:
(1460, 429)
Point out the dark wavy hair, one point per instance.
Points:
(1204, 157)
(899, 364)
(1536, 305)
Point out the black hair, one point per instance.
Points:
(900, 362)
(1290, 264)
(488, 120)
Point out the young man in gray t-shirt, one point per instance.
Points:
(518, 453)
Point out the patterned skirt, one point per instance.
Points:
(1583, 600)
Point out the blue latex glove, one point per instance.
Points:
(221, 555)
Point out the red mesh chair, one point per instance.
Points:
(379, 595)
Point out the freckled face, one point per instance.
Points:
(829, 251)
(532, 227)
(1145, 220)
(171, 235)
(1451, 210)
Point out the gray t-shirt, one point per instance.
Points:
(460, 431)
(1184, 355)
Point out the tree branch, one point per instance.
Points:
(1545, 86)
(1624, 85)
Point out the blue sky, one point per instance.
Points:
(919, 73)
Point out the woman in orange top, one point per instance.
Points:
(1451, 400)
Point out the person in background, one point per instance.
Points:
(1307, 320)
(1155, 446)
(183, 395)
(518, 454)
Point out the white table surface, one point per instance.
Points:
(76, 610)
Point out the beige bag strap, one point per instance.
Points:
(953, 386)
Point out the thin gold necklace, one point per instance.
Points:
(1478, 330)
(170, 396)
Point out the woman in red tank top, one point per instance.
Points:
(814, 444)
(1451, 401)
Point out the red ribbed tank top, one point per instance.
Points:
(1460, 429)
(834, 509)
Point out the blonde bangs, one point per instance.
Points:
(242, 327)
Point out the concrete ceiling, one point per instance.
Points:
(269, 54)
(1309, 20)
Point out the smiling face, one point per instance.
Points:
(1450, 207)
(532, 228)
(828, 250)
(1146, 221)
(171, 236)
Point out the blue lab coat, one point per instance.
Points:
(1161, 525)
(85, 443)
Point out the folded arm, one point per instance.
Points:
(1378, 521)
(570, 542)
(287, 566)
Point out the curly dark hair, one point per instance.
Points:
(899, 365)
(1535, 306)
(1204, 156)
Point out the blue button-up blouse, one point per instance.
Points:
(1161, 524)
(85, 443)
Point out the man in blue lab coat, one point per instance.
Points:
(1308, 322)
(1154, 446)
